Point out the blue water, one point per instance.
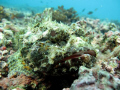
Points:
(102, 9)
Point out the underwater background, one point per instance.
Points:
(102, 9)
(59, 45)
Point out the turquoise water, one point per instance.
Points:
(102, 9)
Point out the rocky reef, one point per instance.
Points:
(40, 53)
(95, 79)
(65, 16)
(3, 14)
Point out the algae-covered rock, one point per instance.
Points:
(61, 14)
(65, 15)
(52, 47)
(1, 38)
(95, 78)
(18, 65)
(3, 14)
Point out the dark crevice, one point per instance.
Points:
(62, 81)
